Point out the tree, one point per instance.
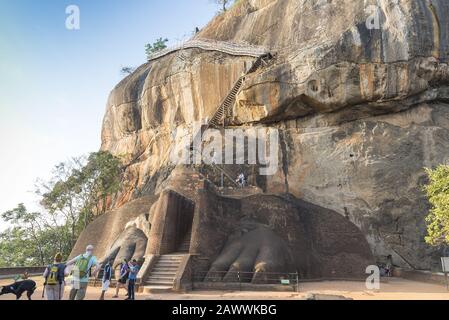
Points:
(223, 3)
(127, 70)
(79, 190)
(437, 191)
(158, 45)
(33, 239)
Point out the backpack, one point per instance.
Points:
(53, 275)
(82, 266)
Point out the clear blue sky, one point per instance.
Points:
(54, 82)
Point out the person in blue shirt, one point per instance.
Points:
(133, 271)
(81, 272)
(122, 277)
(106, 281)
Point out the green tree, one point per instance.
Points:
(79, 190)
(437, 191)
(32, 240)
(158, 45)
(17, 249)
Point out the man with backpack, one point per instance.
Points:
(82, 266)
(54, 279)
(107, 276)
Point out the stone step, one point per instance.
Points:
(175, 255)
(152, 278)
(166, 267)
(169, 263)
(165, 282)
(169, 267)
(186, 242)
(170, 259)
(175, 259)
(166, 271)
(162, 274)
(151, 289)
(170, 285)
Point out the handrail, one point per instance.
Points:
(232, 48)
(223, 110)
(241, 277)
(225, 173)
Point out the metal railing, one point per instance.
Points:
(232, 48)
(253, 278)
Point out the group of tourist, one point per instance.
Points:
(80, 269)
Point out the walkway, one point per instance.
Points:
(231, 48)
(394, 289)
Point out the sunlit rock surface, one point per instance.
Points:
(360, 111)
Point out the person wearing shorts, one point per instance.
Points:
(123, 277)
(106, 281)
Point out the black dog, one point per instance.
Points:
(19, 288)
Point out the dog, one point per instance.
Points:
(18, 288)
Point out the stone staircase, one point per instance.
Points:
(163, 274)
(184, 247)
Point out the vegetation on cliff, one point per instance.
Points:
(158, 45)
(438, 193)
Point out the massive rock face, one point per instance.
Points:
(361, 110)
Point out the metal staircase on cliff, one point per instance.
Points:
(225, 110)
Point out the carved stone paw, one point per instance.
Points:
(255, 254)
(131, 244)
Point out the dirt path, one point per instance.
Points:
(394, 289)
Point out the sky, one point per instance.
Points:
(54, 82)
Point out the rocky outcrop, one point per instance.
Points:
(360, 102)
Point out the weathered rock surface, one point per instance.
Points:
(360, 111)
